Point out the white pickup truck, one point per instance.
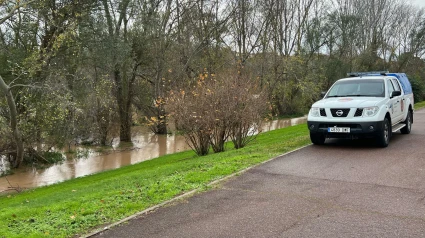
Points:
(370, 104)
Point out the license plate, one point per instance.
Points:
(339, 129)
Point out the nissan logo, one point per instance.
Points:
(339, 113)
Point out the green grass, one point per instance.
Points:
(79, 205)
(419, 105)
(290, 116)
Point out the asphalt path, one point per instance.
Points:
(342, 189)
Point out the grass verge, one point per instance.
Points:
(78, 205)
(419, 105)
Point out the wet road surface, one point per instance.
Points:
(343, 189)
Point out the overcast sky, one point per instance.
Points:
(420, 3)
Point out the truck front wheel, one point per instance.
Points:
(384, 134)
(317, 138)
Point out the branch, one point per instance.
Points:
(26, 85)
(11, 187)
(142, 76)
(17, 76)
(10, 14)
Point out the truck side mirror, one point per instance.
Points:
(323, 93)
(395, 94)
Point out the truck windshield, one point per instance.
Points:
(358, 88)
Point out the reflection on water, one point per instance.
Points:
(147, 146)
(277, 124)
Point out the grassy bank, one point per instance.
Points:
(78, 205)
(419, 105)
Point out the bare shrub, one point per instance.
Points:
(247, 106)
(189, 110)
(220, 113)
(217, 108)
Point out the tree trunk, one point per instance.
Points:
(13, 124)
(162, 126)
(124, 107)
(122, 84)
(125, 125)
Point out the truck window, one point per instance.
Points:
(358, 88)
(390, 88)
(396, 85)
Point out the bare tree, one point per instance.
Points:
(6, 90)
(118, 14)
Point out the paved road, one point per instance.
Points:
(342, 189)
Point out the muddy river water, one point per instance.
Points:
(146, 146)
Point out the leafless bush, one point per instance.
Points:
(188, 108)
(247, 106)
(217, 108)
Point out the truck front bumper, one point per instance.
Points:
(357, 129)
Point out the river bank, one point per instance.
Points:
(90, 160)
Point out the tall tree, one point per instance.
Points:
(118, 14)
(6, 90)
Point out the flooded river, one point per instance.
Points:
(146, 146)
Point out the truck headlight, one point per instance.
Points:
(370, 111)
(315, 112)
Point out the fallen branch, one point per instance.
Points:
(11, 187)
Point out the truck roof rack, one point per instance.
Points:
(357, 74)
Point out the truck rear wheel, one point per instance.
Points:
(384, 134)
(317, 138)
(408, 122)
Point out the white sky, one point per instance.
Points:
(420, 3)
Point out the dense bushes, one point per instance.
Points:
(418, 87)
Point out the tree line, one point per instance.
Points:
(89, 69)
